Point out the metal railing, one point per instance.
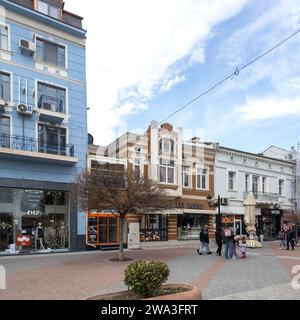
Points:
(51, 103)
(33, 145)
(263, 196)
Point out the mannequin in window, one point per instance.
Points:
(63, 233)
(39, 236)
(5, 235)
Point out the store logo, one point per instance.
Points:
(2, 278)
(296, 280)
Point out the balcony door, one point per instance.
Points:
(4, 132)
(52, 140)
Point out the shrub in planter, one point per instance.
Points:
(146, 277)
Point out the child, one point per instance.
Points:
(243, 246)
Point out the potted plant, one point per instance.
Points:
(145, 281)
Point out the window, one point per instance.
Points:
(166, 171)
(247, 180)
(52, 140)
(281, 187)
(231, 180)
(166, 146)
(4, 38)
(186, 176)
(255, 183)
(264, 185)
(137, 169)
(51, 98)
(5, 86)
(4, 132)
(202, 178)
(49, 10)
(50, 53)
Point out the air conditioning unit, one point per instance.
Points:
(27, 46)
(48, 106)
(224, 201)
(25, 110)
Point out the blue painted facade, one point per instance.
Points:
(25, 74)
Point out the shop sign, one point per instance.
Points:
(227, 220)
(275, 212)
(24, 241)
(34, 213)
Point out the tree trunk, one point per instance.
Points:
(121, 247)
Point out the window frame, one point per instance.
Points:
(167, 164)
(57, 45)
(49, 7)
(39, 82)
(201, 175)
(257, 183)
(10, 75)
(7, 28)
(234, 177)
(185, 173)
(281, 187)
(247, 182)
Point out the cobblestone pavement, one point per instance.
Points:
(264, 274)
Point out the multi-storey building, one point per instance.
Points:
(43, 125)
(269, 175)
(185, 169)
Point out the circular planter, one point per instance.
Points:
(192, 293)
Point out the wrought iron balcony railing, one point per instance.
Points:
(32, 145)
(51, 103)
(263, 196)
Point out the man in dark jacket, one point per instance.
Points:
(204, 241)
(290, 239)
(219, 242)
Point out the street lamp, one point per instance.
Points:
(216, 204)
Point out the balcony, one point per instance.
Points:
(264, 197)
(16, 147)
(51, 109)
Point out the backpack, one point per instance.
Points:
(228, 233)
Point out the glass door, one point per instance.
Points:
(103, 230)
(238, 227)
(113, 229)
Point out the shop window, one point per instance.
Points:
(189, 226)
(154, 228)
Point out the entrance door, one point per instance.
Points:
(238, 227)
(108, 230)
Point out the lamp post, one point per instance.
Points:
(216, 204)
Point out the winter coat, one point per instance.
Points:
(204, 237)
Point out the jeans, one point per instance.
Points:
(288, 242)
(229, 248)
(204, 245)
(282, 243)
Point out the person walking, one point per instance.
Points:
(281, 237)
(289, 239)
(293, 239)
(219, 241)
(204, 241)
(228, 238)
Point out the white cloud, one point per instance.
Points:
(134, 47)
(269, 108)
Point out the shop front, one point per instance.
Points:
(236, 222)
(34, 221)
(103, 229)
(270, 222)
(154, 227)
(189, 225)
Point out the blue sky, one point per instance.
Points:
(149, 58)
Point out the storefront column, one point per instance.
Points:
(172, 227)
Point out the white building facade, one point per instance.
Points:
(271, 180)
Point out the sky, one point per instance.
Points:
(147, 58)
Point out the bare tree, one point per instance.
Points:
(111, 187)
